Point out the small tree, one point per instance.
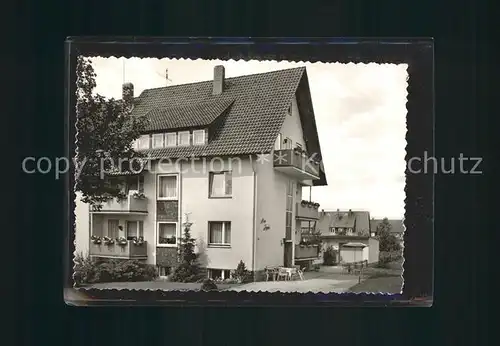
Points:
(241, 273)
(330, 256)
(388, 242)
(189, 269)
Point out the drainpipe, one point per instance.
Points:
(310, 193)
(254, 222)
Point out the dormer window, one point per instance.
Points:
(199, 137)
(184, 138)
(158, 140)
(143, 142)
(290, 109)
(170, 139)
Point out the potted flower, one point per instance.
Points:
(96, 239)
(138, 195)
(108, 241)
(316, 205)
(303, 203)
(122, 241)
(138, 241)
(310, 204)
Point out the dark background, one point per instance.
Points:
(33, 89)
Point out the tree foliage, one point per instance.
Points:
(387, 241)
(189, 270)
(105, 132)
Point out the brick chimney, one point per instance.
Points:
(127, 92)
(218, 85)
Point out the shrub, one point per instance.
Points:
(208, 285)
(330, 256)
(241, 274)
(85, 270)
(89, 271)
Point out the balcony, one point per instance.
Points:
(131, 204)
(296, 164)
(303, 252)
(307, 211)
(126, 251)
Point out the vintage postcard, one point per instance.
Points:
(239, 175)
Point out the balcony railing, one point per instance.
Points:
(126, 251)
(306, 251)
(307, 211)
(131, 204)
(296, 163)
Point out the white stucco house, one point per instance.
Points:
(232, 153)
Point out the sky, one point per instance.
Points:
(360, 112)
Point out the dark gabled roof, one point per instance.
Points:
(191, 115)
(396, 225)
(359, 220)
(257, 105)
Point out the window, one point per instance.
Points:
(167, 187)
(184, 138)
(199, 137)
(113, 228)
(167, 233)
(298, 145)
(219, 233)
(287, 143)
(158, 140)
(349, 231)
(220, 184)
(332, 230)
(219, 274)
(135, 144)
(135, 183)
(277, 144)
(143, 142)
(135, 229)
(170, 139)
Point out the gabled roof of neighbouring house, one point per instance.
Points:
(247, 115)
(397, 226)
(358, 220)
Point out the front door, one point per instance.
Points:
(288, 254)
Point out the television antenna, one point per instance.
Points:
(165, 75)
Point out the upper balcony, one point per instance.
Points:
(303, 252)
(307, 211)
(134, 203)
(296, 164)
(128, 250)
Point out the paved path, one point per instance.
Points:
(299, 286)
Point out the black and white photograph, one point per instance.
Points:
(256, 176)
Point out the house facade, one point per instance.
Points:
(230, 156)
(348, 232)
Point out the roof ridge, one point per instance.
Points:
(226, 79)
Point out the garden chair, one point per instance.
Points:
(283, 273)
(300, 273)
(271, 272)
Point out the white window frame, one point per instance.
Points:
(138, 228)
(154, 136)
(139, 142)
(158, 223)
(279, 142)
(289, 143)
(179, 134)
(223, 234)
(176, 198)
(210, 271)
(203, 132)
(166, 139)
(210, 183)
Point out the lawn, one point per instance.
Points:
(385, 280)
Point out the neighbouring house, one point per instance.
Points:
(234, 155)
(348, 232)
(397, 228)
